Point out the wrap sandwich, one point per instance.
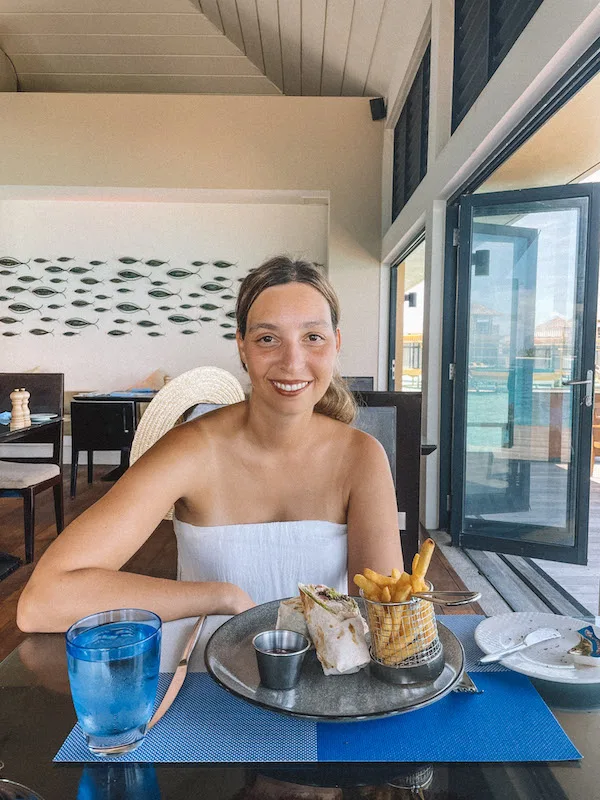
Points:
(336, 628)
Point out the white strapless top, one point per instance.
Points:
(266, 559)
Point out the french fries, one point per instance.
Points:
(398, 632)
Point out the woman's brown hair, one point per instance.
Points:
(337, 402)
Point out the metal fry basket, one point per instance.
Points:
(405, 646)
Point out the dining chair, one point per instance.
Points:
(27, 476)
(102, 425)
(201, 385)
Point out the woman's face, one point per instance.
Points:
(290, 347)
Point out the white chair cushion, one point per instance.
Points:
(18, 476)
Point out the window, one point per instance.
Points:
(484, 32)
(410, 138)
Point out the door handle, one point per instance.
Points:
(589, 386)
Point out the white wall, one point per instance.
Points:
(554, 39)
(221, 143)
(177, 233)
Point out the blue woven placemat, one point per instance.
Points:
(206, 724)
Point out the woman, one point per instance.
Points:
(267, 492)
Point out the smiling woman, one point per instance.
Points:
(270, 492)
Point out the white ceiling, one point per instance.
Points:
(294, 47)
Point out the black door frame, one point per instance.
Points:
(418, 239)
(589, 244)
(578, 75)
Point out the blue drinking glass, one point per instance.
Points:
(113, 660)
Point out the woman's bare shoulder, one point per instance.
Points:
(219, 423)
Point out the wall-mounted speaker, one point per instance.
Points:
(378, 110)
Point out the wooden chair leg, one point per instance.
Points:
(29, 520)
(90, 460)
(59, 509)
(74, 467)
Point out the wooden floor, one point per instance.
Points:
(157, 557)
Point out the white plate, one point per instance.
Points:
(42, 417)
(550, 660)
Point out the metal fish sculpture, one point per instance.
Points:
(16, 289)
(180, 319)
(209, 307)
(9, 261)
(28, 278)
(97, 263)
(180, 274)
(79, 270)
(212, 287)
(44, 291)
(195, 295)
(229, 336)
(154, 262)
(230, 314)
(70, 333)
(131, 275)
(10, 320)
(54, 268)
(6, 272)
(160, 293)
(54, 306)
(64, 259)
(226, 325)
(41, 260)
(130, 308)
(124, 290)
(23, 308)
(222, 264)
(187, 332)
(4, 298)
(100, 310)
(222, 279)
(10, 333)
(155, 333)
(48, 319)
(117, 280)
(98, 296)
(81, 303)
(129, 260)
(81, 291)
(186, 306)
(77, 322)
(57, 280)
(166, 308)
(228, 296)
(207, 319)
(39, 332)
(90, 281)
(122, 321)
(118, 333)
(198, 263)
(159, 283)
(146, 323)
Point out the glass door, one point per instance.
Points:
(524, 371)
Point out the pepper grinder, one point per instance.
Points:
(26, 413)
(17, 417)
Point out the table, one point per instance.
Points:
(36, 715)
(131, 397)
(50, 432)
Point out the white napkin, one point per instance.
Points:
(175, 635)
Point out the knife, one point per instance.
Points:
(180, 673)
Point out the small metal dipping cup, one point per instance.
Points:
(280, 654)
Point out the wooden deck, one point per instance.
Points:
(583, 582)
(157, 557)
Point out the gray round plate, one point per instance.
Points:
(231, 661)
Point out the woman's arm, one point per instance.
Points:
(79, 573)
(373, 533)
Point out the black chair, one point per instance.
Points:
(27, 476)
(100, 425)
(359, 384)
(394, 418)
